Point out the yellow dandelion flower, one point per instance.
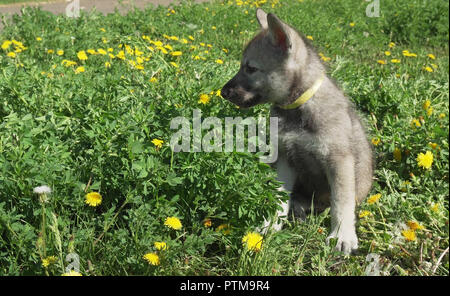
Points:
(434, 66)
(442, 115)
(82, 56)
(218, 93)
(129, 50)
(381, 62)
(184, 41)
(152, 258)
(107, 65)
(434, 207)
(225, 50)
(364, 214)
(387, 53)
(428, 69)
(204, 99)
(395, 61)
(121, 55)
(352, 24)
(374, 198)
(433, 145)
(416, 123)
(50, 51)
(174, 64)
(207, 223)
(93, 199)
(376, 141)
(213, 27)
(430, 111)
(153, 80)
(160, 246)
(68, 63)
(406, 53)
(173, 222)
(391, 44)
(11, 54)
(38, 39)
(426, 104)
(191, 38)
(425, 160)
(49, 260)
(397, 154)
(102, 29)
(219, 61)
(431, 56)
(253, 241)
(80, 69)
(6, 44)
(60, 52)
(176, 53)
(413, 225)
(72, 273)
(157, 142)
(409, 235)
(224, 228)
(310, 37)
(101, 51)
(137, 52)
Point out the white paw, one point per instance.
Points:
(347, 241)
(272, 226)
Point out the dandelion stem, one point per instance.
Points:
(382, 217)
(439, 260)
(111, 223)
(43, 230)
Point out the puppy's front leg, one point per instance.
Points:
(341, 177)
(287, 175)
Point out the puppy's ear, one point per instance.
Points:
(261, 16)
(279, 33)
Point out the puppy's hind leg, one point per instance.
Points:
(287, 175)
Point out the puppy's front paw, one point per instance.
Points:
(270, 226)
(347, 241)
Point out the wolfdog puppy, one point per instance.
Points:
(324, 157)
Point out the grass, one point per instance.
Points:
(90, 129)
(19, 1)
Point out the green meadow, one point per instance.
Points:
(86, 105)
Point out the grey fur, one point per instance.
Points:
(324, 153)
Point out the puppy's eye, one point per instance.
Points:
(249, 69)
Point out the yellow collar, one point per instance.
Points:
(308, 94)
